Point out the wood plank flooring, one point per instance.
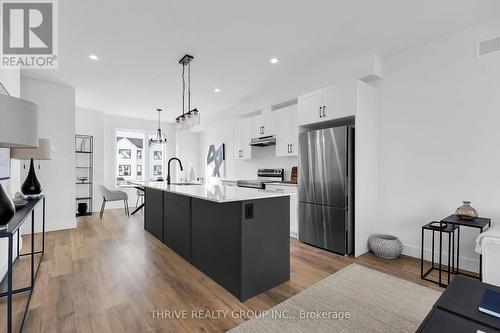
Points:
(111, 276)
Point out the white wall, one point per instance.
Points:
(56, 123)
(439, 141)
(188, 151)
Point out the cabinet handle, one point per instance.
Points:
(324, 113)
(320, 112)
(291, 148)
(263, 130)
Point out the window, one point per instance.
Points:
(157, 170)
(124, 153)
(123, 170)
(155, 159)
(136, 158)
(129, 163)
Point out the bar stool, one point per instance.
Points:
(140, 197)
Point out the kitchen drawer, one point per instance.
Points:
(282, 188)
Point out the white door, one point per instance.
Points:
(269, 124)
(310, 107)
(237, 141)
(294, 205)
(283, 127)
(246, 138)
(294, 131)
(339, 101)
(257, 126)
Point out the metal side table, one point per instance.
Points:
(450, 230)
(478, 223)
(9, 231)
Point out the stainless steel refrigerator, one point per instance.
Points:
(326, 188)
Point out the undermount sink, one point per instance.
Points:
(185, 183)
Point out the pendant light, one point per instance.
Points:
(159, 136)
(190, 117)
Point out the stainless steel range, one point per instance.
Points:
(263, 176)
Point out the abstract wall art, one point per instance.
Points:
(216, 161)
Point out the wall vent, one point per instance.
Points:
(488, 46)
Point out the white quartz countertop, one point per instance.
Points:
(216, 193)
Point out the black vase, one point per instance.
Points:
(31, 185)
(82, 208)
(7, 208)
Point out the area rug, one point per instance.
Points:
(355, 299)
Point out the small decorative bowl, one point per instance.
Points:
(82, 179)
(385, 246)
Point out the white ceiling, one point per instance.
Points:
(140, 42)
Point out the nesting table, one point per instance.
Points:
(453, 225)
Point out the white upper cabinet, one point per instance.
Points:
(241, 140)
(310, 107)
(264, 125)
(286, 131)
(330, 103)
(339, 101)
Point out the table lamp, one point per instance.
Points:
(31, 185)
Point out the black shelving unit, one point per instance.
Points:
(84, 150)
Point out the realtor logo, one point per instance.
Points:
(29, 34)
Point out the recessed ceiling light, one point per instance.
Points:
(274, 61)
(216, 90)
(93, 57)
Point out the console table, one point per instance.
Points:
(9, 231)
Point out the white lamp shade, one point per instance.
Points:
(18, 123)
(43, 152)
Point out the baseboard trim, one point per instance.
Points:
(469, 264)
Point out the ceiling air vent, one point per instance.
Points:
(488, 46)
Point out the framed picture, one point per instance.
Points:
(157, 155)
(4, 163)
(125, 153)
(139, 170)
(216, 161)
(139, 154)
(124, 170)
(157, 170)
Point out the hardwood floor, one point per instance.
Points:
(111, 276)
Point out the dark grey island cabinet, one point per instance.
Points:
(243, 244)
(153, 212)
(177, 223)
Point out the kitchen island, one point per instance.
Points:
(239, 237)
